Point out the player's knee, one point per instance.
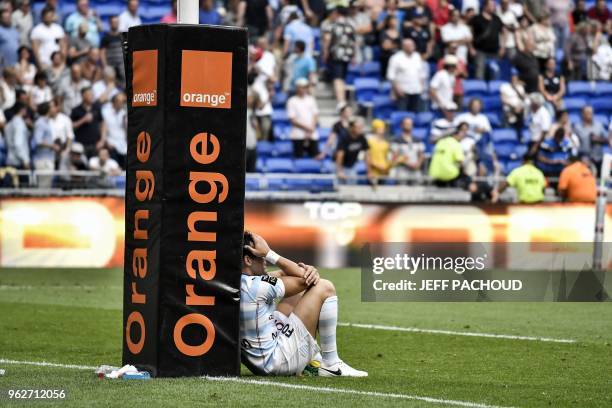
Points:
(327, 287)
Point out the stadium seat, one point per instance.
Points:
(252, 184)
(371, 69)
(260, 165)
(279, 165)
(503, 135)
(264, 149)
(579, 89)
(324, 133)
(275, 183)
(319, 185)
(491, 104)
(385, 88)
(396, 119)
(154, 13)
(603, 119)
(109, 9)
(510, 165)
(494, 87)
(328, 167)
(420, 134)
(119, 181)
(279, 117)
(298, 184)
(361, 168)
(366, 89)
(574, 104)
(424, 119)
(279, 100)
(510, 150)
(602, 105)
(283, 149)
(307, 166)
(382, 107)
(604, 89)
(494, 119)
(475, 87)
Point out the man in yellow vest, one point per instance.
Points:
(528, 180)
(446, 160)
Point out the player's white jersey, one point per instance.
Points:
(258, 330)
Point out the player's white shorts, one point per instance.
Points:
(295, 344)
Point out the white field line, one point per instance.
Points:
(46, 364)
(352, 392)
(455, 333)
(58, 287)
(284, 385)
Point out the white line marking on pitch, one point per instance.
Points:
(455, 333)
(46, 364)
(353, 392)
(59, 287)
(283, 385)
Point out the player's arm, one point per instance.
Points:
(289, 268)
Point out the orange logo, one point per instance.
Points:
(206, 79)
(144, 78)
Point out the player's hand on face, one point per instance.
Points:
(311, 274)
(260, 246)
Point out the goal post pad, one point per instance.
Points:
(184, 220)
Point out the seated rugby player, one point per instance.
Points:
(280, 313)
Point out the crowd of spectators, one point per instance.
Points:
(63, 105)
(426, 50)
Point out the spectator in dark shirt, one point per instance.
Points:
(256, 15)
(600, 12)
(580, 12)
(488, 31)
(420, 33)
(552, 85)
(339, 132)
(554, 153)
(339, 49)
(111, 52)
(86, 121)
(348, 151)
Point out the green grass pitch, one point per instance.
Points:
(74, 317)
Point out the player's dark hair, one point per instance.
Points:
(247, 239)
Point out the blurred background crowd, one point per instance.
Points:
(476, 95)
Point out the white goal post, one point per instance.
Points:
(600, 208)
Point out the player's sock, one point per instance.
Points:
(328, 319)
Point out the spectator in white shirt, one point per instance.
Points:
(541, 121)
(303, 113)
(41, 91)
(442, 84)
(406, 73)
(477, 122)
(129, 17)
(515, 102)
(104, 163)
(23, 21)
(105, 88)
(8, 84)
(47, 37)
(444, 126)
(61, 128)
(457, 32)
(266, 64)
(263, 92)
(114, 127)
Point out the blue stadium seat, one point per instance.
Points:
(424, 119)
(109, 9)
(279, 117)
(396, 119)
(298, 184)
(279, 100)
(475, 87)
(66, 8)
(491, 104)
(604, 89)
(603, 119)
(420, 134)
(328, 167)
(283, 149)
(510, 150)
(385, 88)
(510, 165)
(574, 104)
(602, 105)
(324, 133)
(503, 135)
(319, 185)
(579, 89)
(279, 165)
(494, 119)
(366, 89)
(281, 132)
(275, 183)
(154, 12)
(382, 107)
(260, 166)
(371, 69)
(494, 87)
(264, 149)
(361, 168)
(119, 182)
(307, 166)
(252, 184)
